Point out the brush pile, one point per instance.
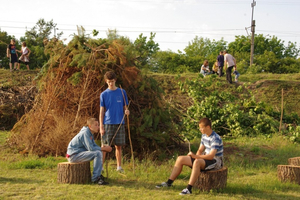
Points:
(70, 84)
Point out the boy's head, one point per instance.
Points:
(93, 125)
(110, 75)
(12, 41)
(110, 79)
(205, 126)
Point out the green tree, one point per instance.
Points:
(145, 49)
(35, 39)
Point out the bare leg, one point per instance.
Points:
(10, 66)
(27, 67)
(119, 155)
(15, 65)
(181, 160)
(198, 164)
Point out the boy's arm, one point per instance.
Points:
(7, 52)
(101, 119)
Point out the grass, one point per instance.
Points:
(252, 164)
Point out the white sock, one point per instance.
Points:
(118, 168)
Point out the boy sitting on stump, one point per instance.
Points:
(212, 145)
(83, 148)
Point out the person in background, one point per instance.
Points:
(83, 148)
(220, 60)
(230, 61)
(12, 55)
(212, 145)
(205, 68)
(236, 73)
(215, 69)
(25, 52)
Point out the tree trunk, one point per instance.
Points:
(215, 179)
(74, 173)
(288, 173)
(294, 161)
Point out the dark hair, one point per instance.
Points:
(110, 75)
(24, 44)
(205, 121)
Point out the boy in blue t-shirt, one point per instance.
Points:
(112, 109)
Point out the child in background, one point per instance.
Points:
(215, 69)
(236, 73)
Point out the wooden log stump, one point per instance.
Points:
(214, 179)
(289, 173)
(74, 173)
(294, 161)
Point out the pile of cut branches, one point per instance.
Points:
(70, 84)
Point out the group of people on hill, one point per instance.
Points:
(113, 108)
(12, 54)
(223, 58)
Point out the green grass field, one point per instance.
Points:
(252, 164)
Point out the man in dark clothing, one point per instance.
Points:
(12, 54)
(220, 60)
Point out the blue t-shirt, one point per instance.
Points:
(113, 102)
(214, 141)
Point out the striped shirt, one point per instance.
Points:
(213, 141)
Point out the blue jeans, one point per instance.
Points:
(88, 156)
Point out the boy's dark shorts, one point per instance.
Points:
(110, 130)
(13, 58)
(207, 163)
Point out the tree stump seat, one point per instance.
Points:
(289, 173)
(294, 161)
(74, 173)
(213, 179)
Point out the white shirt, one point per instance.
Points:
(229, 59)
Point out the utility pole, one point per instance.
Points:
(253, 33)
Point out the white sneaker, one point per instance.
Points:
(185, 191)
(121, 170)
(163, 184)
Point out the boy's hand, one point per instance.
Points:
(127, 112)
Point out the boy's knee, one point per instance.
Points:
(98, 154)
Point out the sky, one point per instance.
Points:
(175, 22)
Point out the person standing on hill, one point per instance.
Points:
(113, 103)
(25, 52)
(220, 60)
(83, 148)
(212, 145)
(230, 61)
(12, 54)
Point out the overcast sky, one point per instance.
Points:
(175, 22)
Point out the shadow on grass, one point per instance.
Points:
(19, 180)
(248, 192)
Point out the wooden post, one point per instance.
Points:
(214, 179)
(281, 110)
(74, 173)
(294, 161)
(288, 173)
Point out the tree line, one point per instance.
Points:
(271, 54)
